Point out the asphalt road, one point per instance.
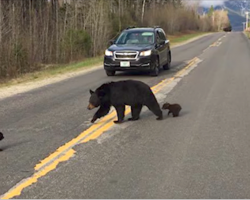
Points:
(201, 154)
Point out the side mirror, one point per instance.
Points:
(162, 42)
(111, 42)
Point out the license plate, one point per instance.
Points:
(125, 64)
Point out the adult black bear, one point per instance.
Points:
(121, 93)
(1, 137)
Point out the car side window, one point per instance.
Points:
(158, 37)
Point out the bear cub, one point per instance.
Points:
(1, 138)
(173, 108)
(121, 93)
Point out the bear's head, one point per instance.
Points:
(1, 136)
(95, 99)
(166, 106)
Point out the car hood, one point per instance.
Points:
(129, 47)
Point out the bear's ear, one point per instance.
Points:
(91, 92)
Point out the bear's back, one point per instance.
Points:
(129, 92)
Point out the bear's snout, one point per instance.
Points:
(90, 106)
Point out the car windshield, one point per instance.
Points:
(139, 37)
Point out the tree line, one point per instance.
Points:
(35, 33)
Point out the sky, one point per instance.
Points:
(208, 3)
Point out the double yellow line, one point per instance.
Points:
(218, 42)
(66, 151)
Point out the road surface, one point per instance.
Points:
(202, 154)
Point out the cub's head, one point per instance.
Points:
(166, 106)
(95, 99)
(1, 136)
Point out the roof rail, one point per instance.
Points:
(130, 27)
(156, 27)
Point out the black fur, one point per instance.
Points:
(121, 93)
(1, 138)
(101, 112)
(173, 108)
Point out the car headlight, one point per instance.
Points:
(108, 53)
(146, 53)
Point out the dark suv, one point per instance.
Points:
(140, 49)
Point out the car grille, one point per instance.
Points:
(128, 55)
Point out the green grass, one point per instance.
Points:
(89, 62)
(248, 34)
(54, 70)
(183, 38)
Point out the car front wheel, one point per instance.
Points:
(167, 65)
(155, 68)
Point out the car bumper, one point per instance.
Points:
(140, 64)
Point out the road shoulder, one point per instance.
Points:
(9, 91)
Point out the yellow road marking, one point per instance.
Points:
(18, 190)
(97, 133)
(218, 42)
(50, 163)
(74, 141)
(167, 81)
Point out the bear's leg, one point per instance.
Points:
(155, 108)
(102, 111)
(176, 114)
(120, 114)
(135, 110)
(169, 112)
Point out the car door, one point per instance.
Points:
(165, 46)
(160, 46)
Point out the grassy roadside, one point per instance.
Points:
(179, 38)
(54, 71)
(247, 34)
(86, 64)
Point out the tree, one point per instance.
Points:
(39, 33)
(211, 11)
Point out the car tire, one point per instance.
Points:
(155, 70)
(110, 73)
(167, 65)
